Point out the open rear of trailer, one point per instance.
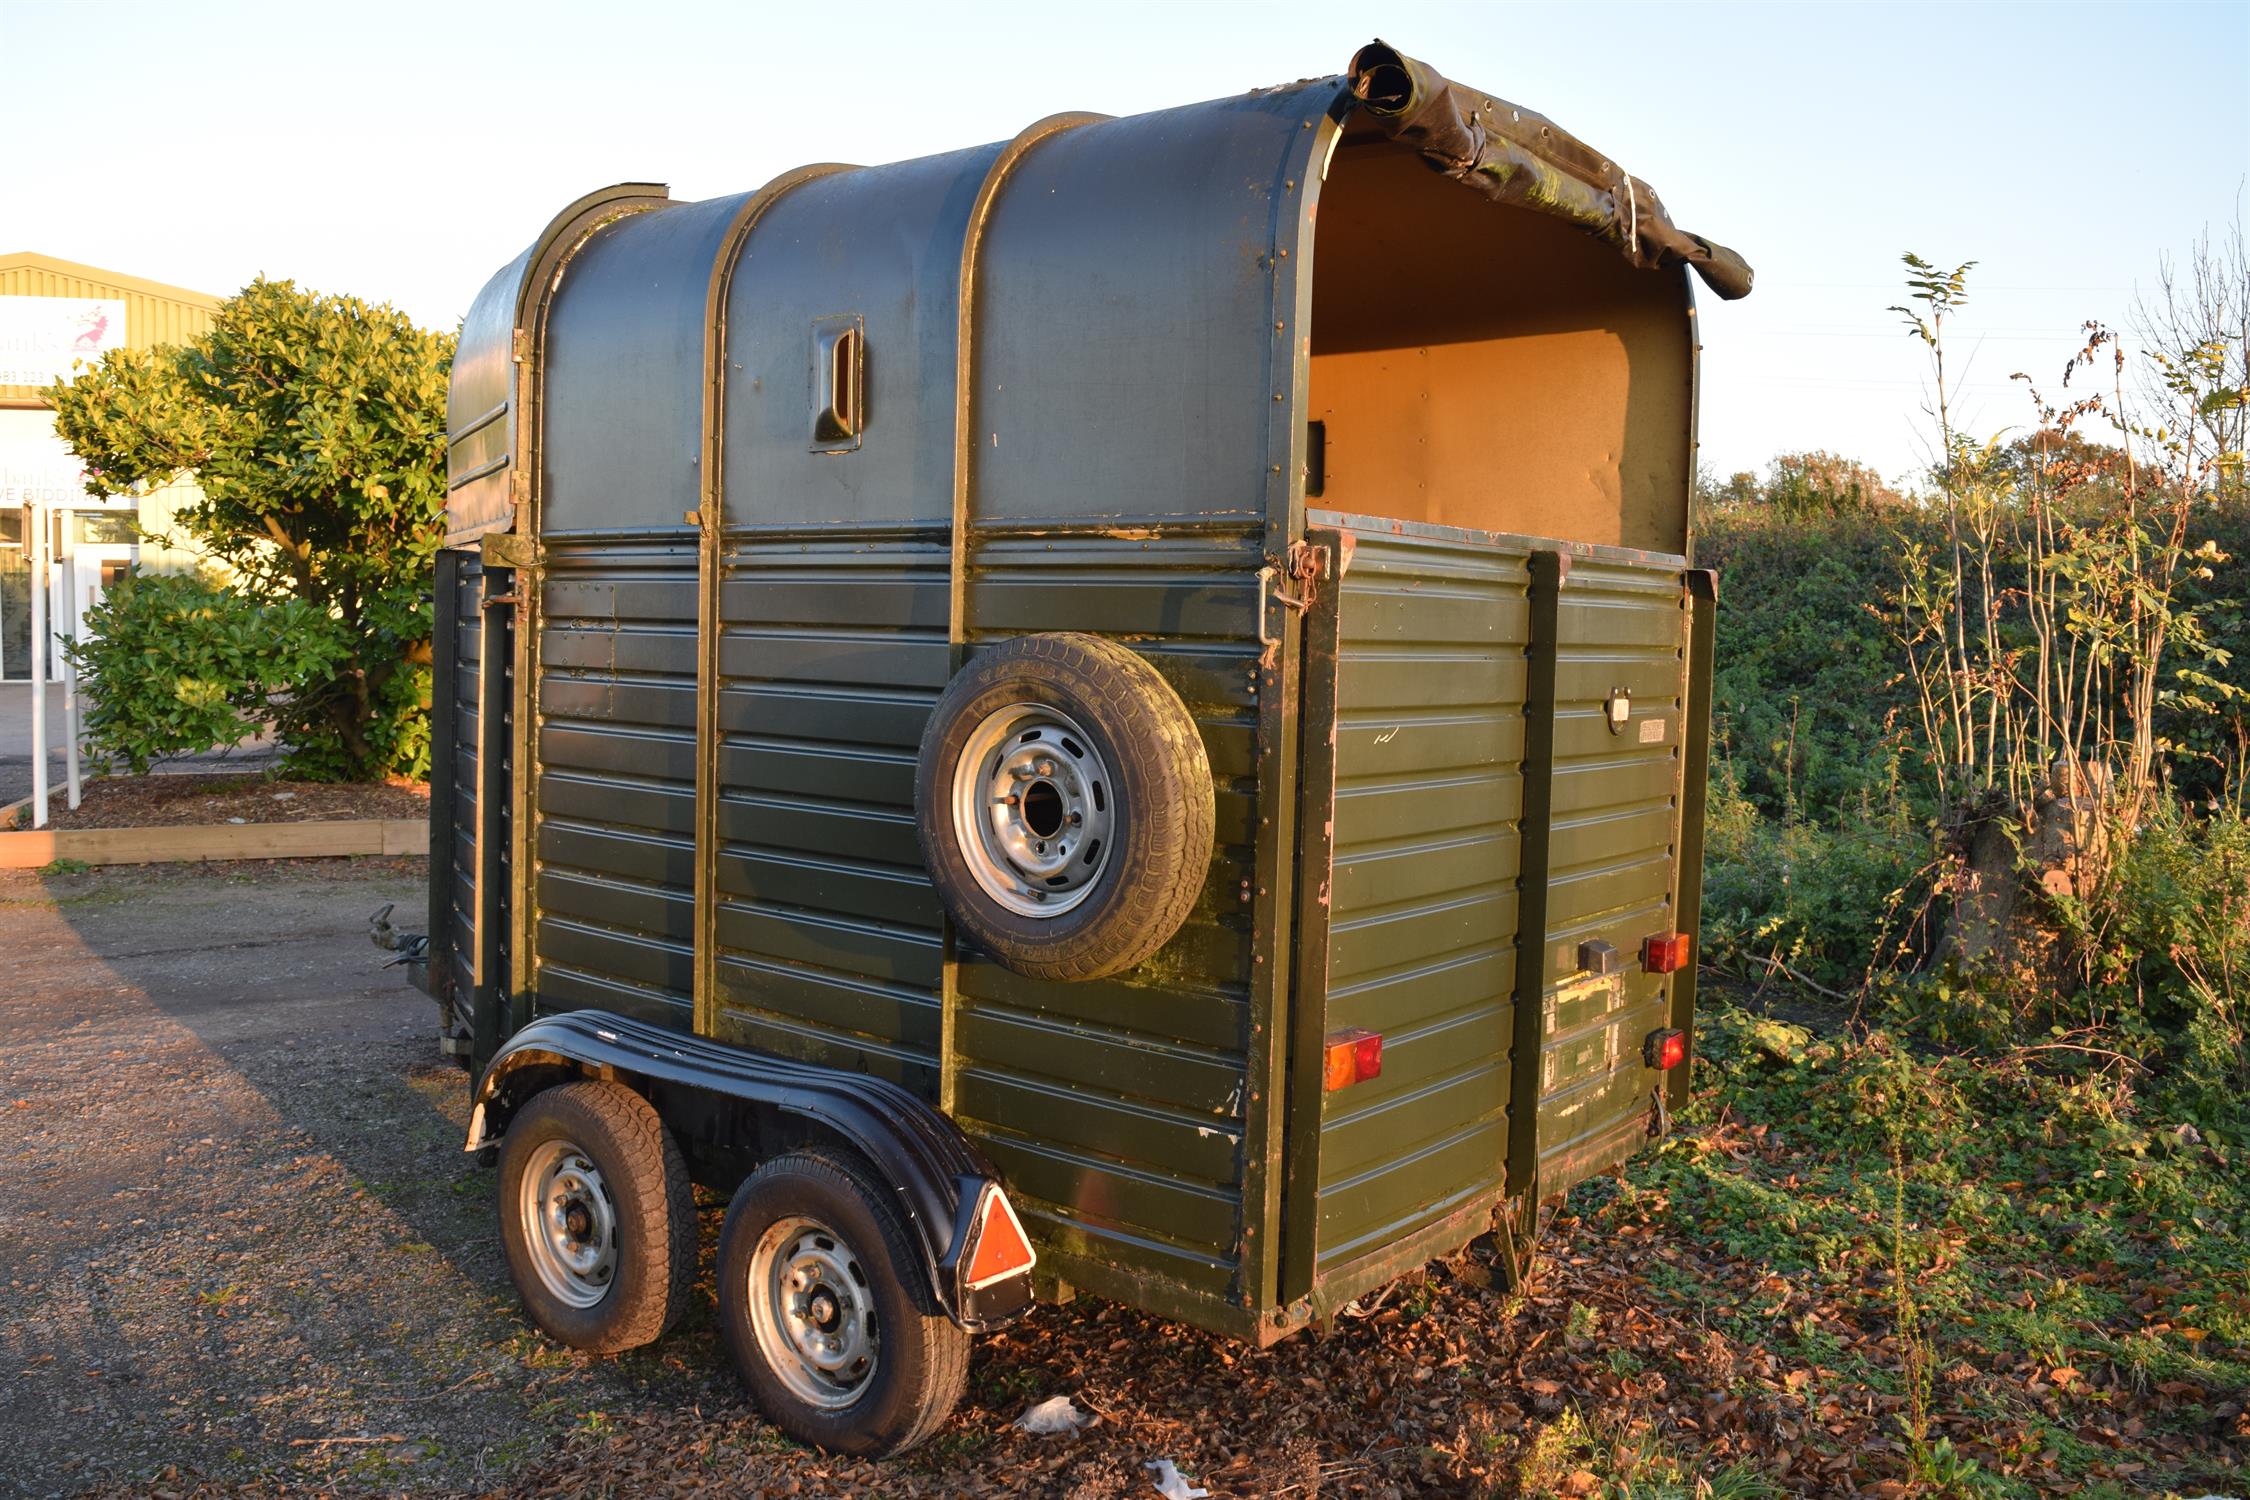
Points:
(1119, 711)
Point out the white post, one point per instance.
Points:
(70, 727)
(76, 620)
(38, 542)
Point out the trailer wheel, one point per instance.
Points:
(828, 1315)
(1065, 807)
(596, 1217)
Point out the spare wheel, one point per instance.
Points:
(1065, 806)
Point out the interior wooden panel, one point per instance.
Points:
(1490, 367)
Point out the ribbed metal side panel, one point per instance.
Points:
(1117, 1107)
(1423, 903)
(830, 944)
(459, 840)
(1613, 868)
(614, 842)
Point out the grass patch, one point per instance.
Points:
(2035, 1278)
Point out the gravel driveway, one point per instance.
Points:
(242, 1251)
(241, 1237)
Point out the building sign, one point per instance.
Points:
(44, 339)
(38, 469)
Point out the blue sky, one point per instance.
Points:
(403, 151)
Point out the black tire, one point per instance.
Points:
(920, 1363)
(1160, 828)
(644, 1179)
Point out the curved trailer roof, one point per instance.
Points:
(1084, 256)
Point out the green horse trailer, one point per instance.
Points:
(1117, 712)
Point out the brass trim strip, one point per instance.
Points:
(964, 348)
(964, 447)
(711, 523)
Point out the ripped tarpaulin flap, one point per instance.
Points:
(1513, 155)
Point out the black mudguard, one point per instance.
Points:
(936, 1174)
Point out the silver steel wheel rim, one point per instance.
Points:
(812, 1311)
(569, 1224)
(1034, 809)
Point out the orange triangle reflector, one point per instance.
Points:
(1003, 1249)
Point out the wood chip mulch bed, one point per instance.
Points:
(172, 801)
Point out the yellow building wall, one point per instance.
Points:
(154, 313)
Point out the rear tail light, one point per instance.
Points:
(1352, 1057)
(1664, 952)
(1665, 1050)
(1003, 1249)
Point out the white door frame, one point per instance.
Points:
(77, 572)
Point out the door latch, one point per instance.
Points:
(1307, 562)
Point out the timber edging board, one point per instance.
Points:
(150, 846)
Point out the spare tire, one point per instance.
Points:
(1064, 804)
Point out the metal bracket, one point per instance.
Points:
(508, 549)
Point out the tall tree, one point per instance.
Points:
(314, 427)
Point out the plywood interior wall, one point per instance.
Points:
(1489, 367)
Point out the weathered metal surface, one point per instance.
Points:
(1429, 736)
(613, 837)
(491, 402)
(468, 795)
(1486, 821)
(1083, 360)
(1515, 155)
(1120, 1106)
(1613, 842)
(1695, 774)
(709, 518)
(447, 981)
(1315, 895)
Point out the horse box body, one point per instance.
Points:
(1362, 409)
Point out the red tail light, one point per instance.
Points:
(1003, 1249)
(1664, 952)
(1352, 1057)
(1665, 1050)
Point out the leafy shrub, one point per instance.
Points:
(2168, 947)
(1815, 898)
(1809, 692)
(181, 665)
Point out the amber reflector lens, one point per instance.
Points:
(1351, 1057)
(1003, 1250)
(1664, 952)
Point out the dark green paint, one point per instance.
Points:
(681, 726)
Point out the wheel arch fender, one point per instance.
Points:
(936, 1177)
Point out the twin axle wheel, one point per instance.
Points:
(822, 1301)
